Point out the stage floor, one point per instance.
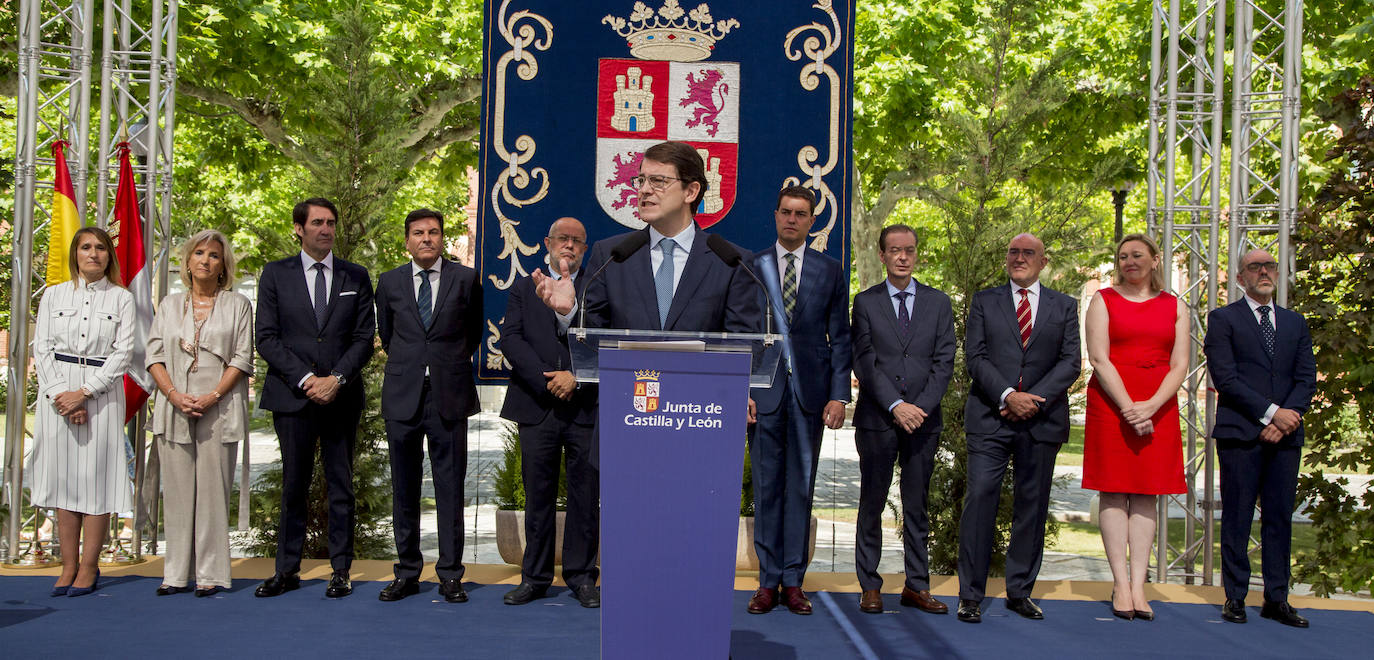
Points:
(124, 618)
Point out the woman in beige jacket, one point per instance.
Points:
(200, 352)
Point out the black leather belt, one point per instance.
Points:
(83, 361)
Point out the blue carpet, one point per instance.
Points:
(125, 619)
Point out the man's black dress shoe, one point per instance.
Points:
(524, 593)
(1283, 613)
(452, 590)
(339, 585)
(1026, 608)
(398, 589)
(968, 611)
(277, 585)
(587, 595)
(1233, 611)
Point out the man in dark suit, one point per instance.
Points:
(429, 317)
(1260, 358)
(903, 357)
(556, 418)
(810, 295)
(314, 330)
(1021, 348)
(642, 291)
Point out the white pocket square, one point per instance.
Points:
(347, 293)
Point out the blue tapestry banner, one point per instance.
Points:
(575, 91)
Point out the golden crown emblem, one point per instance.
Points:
(666, 35)
(646, 374)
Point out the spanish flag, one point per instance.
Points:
(65, 218)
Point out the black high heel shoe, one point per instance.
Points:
(1122, 614)
(1144, 615)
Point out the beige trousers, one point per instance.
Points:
(196, 479)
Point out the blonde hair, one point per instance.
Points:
(228, 261)
(1156, 273)
(111, 266)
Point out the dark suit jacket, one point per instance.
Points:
(1047, 367)
(916, 369)
(446, 347)
(531, 343)
(293, 346)
(710, 296)
(1247, 380)
(819, 332)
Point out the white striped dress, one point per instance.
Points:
(81, 467)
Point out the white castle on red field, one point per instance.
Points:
(634, 102)
(668, 36)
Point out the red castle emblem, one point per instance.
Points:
(669, 93)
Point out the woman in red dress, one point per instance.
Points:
(1137, 337)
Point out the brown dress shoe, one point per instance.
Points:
(923, 601)
(871, 601)
(764, 601)
(796, 600)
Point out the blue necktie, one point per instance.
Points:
(425, 299)
(903, 316)
(1266, 330)
(321, 295)
(663, 280)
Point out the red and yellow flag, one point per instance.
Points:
(132, 259)
(65, 218)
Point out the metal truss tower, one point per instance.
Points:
(54, 92)
(137, 86)
(1185, 203)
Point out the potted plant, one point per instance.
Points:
(510, 502)
(746, 559)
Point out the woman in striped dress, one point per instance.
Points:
(81, 347)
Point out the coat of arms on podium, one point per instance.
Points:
(646, 391)
(669, 91)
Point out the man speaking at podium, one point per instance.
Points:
(667, 276)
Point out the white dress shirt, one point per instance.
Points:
(307, 264)
(1273, 320)
(1033, 297)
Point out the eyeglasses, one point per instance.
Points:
(1017, 252)
(656, 181)
(1256, 267)
(564, 238)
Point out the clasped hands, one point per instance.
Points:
(1139, 415)
(72, 405)
(191, 405)
(320, 389)
(560, 384)
(1284, 421)
(1019, 406)
(558, 294)
(909, 416)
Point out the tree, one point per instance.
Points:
(351, 100)
(1335, 290)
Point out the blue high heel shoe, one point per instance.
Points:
(60, 591)
(82, 591)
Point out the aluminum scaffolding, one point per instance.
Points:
(1185, 204)
(137, 85)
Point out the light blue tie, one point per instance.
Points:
(663, 280)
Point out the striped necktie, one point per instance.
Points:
(1023, 317)
(789, 286)
(425, 299)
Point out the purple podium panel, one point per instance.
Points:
(672, 432)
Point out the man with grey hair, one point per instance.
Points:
(1260, 358)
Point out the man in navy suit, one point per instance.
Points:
(810, 296)
(1260, 358)
(1021, 349)
(429, 318)
(556, 418)
(675, 282)
(314, 329)
(903, 357)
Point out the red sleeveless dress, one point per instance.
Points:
(1115, 459)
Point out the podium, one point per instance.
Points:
(672, 423)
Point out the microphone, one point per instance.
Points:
(622, 251)
(732, 258)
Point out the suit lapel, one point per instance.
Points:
(766, 266)
(335, 287)
(639, 275)
(692, 275)
(447, 286)
(1042, 314)
(890, 312)
(1005, 309)
(810, 280)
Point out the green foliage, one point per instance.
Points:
(746, 494)
(1335, 290)
(509, 480)
(371, 488)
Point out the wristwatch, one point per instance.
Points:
(339, 377)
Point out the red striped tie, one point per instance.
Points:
(1023, 317)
